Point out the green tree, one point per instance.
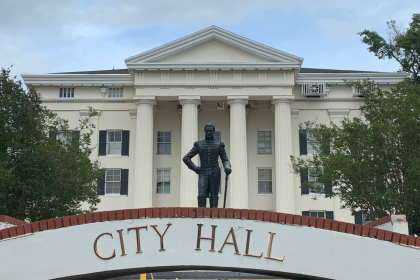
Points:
(372, 161)
(403, 45)
(42, 177)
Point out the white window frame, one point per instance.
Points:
(309, 147)
(63, 91)
(272, 181)
(108, 143)
(120, 92)
(316, 182)
(318, 211)
(170, 181)
(112, 194)
(157, 143)
(271, 142)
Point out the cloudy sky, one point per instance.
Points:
(47, 36)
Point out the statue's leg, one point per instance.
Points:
(214, 188)
(202, 190)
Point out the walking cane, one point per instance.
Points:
(226, 182)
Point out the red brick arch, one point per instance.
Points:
(23, 228)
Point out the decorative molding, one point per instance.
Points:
(340, 78)
(214, 76)
(237, 77)
(327, 100)
(84, 112)
(294, 112)
(262, 76)
(165, 76)
(189, 76)
(133, 113)
(139, 76)
(339, 111)
(88, 101)
(57, 80)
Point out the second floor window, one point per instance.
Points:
(66, 93)
(264, 142)
(306, 147)
(114, 143)
(163, 143)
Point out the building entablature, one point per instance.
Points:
(63, 79)
(341, 78)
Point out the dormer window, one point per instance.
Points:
(315, 90)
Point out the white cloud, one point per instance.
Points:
(49, 35)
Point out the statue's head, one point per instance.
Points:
(209, 130)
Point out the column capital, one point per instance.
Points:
(183, 99)
(241, 99)
(281, 99)
(151, 100)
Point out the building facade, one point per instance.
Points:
(152, 112)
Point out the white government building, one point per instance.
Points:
(151, 113)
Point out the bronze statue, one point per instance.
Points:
(209, 171)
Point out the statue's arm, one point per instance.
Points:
(187, 158)
(223, 157)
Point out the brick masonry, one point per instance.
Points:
(23, 228)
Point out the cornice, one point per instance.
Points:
(329, 100)
(339, 78)
(227, 85)
(274, 66)
(88, 101)
(78, 79)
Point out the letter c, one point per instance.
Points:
(96, 249)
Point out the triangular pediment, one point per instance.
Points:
(211, 47)
(213, 51)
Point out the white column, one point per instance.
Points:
(189, 135)
(238, 179)
(143, 172)
(285, 199)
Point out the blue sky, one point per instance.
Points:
(46, 36)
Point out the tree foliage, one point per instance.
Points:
(42, 177)
(374, 159)
(403, 45)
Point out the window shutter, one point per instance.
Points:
(303, 179)
(124, 182)
(101, 185)
(303, 144)
(125, 142)
(358, 218)
(329, 215)
(102, 143)
(305, 213)
(51, 134)
(328, 188)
